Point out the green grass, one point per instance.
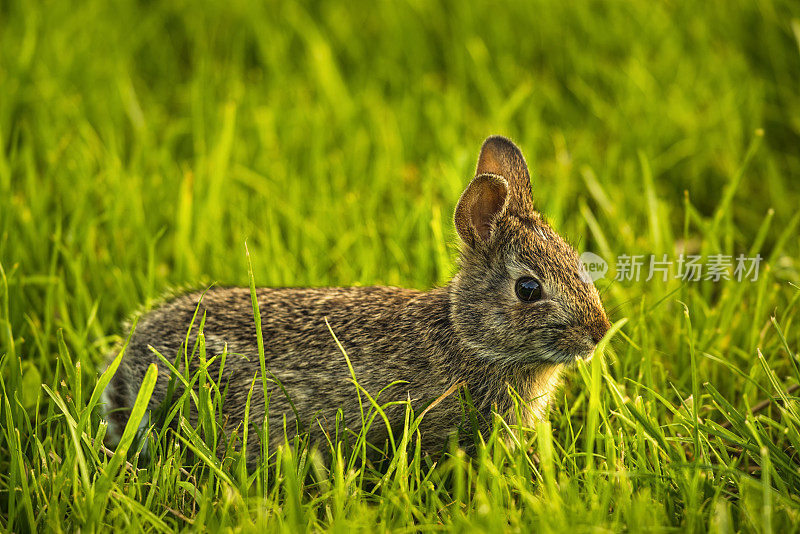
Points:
(143, 143)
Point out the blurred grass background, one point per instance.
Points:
(142, 143)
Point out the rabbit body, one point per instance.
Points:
(389, 335)
(475, 331)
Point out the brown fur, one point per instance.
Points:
(473, 331)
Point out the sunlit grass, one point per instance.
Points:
(143, 144)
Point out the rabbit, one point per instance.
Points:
(516, 313)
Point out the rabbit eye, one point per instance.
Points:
(528, 289)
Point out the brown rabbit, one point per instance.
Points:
(514, 315)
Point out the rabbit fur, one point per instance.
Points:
(474, 331)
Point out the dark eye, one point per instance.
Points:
(528, 289)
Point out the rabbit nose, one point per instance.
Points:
(599, 328)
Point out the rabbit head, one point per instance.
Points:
(520, 295)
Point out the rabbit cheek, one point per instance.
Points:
(569, 344)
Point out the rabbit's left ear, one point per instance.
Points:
(481, 204)
(502, 157)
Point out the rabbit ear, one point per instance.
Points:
(481, 204)
(500, 156)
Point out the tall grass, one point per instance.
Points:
(142, 144)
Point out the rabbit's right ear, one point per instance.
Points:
(481, 204)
